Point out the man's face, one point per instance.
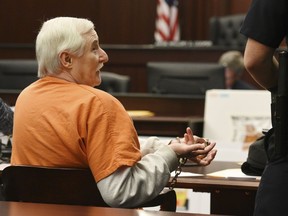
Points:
(230, 78)
(86, 68)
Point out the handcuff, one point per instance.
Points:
(182, 162)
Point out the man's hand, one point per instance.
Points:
(195, 148)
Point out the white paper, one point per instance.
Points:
(242, 115)
(186, 174)
(232, 173)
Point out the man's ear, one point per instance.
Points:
(66, 59)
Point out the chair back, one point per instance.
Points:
(51, 185)
(114, 83)
(70, 186)
(184, 78)
(225, 31)
(16, 74)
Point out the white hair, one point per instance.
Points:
(56, 36)
(233, 60)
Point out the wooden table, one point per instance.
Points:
(229, 196)
(164, 105)
(33, 209)
(160, 105)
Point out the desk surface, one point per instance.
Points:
(33, 209)
(236, 190)
(210, 183)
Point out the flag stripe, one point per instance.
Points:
(167, 26)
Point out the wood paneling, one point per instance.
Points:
(130, 23)
(117, 22)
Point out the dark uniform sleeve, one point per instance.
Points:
(267, 22)
(6, 118)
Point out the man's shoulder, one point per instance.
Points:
(95, 91)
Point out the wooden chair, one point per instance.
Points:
(63, 186)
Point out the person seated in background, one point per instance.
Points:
(67, 122)
(6, 118)
(233, 62)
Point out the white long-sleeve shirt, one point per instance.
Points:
(131, 186)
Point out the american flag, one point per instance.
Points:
(167, 27)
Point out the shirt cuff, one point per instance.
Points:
(169, 156)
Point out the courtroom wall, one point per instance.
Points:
(117, 21)
(125, 27)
